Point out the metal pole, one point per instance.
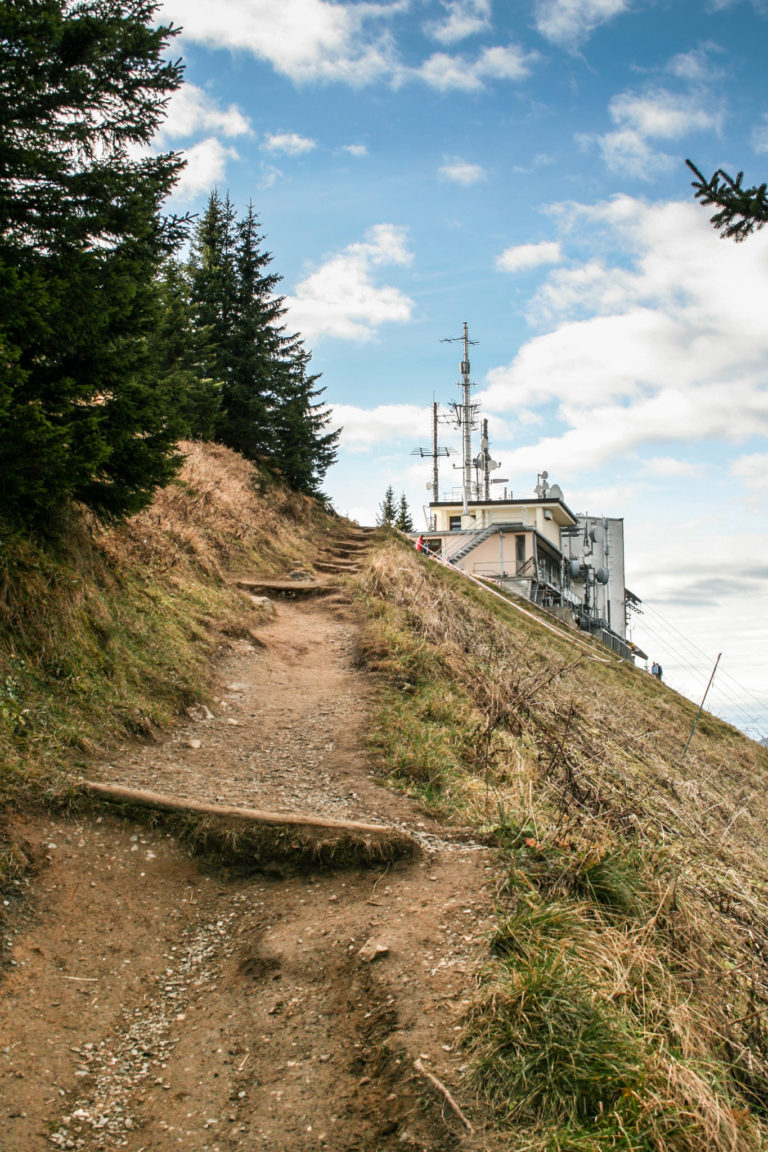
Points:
(486, 463)
(701, 706)
(466, 422)
(435, 490)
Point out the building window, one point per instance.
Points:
(454, 523)
(520, 552)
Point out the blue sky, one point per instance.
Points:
(520, 166)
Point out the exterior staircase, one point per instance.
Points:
(473, 542)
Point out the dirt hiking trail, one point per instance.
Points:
(152, 1003)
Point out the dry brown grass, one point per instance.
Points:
(223, 517)
(574, 762)
(108, 631)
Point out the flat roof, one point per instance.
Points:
(505, 504)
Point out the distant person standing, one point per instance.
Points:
(420, 544)
(656, 670)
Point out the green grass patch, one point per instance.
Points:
(546, 1048)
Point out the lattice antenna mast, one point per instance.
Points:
(465, 414)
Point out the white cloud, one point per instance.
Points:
(364, 428)
(652, 115)
(460, 171)
(570, 22)
(662, 114)
(341, 297)
(458, 73)
(269, 176)
(667, 467)
(695, 65)
(671, 348)
(523, 257)
(464, 18)
(191, 111)
(356, 150)
(288, 143)
(752, 470)
(627, 152)
(206, 166)
(306, 40)
(313, 41)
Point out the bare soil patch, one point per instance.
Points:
(151, 1003)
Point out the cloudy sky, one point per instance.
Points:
(519, 165)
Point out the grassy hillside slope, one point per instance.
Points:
(622, 1005)
(112, 631)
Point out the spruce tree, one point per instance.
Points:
(81, 234)
(304, 446)
(270, 409)
(246, 422)
(404, 520)
(213, 285)
(387, 509)
(181, 354)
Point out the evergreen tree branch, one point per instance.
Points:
(741, 211)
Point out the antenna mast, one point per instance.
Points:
(466, 423)
(464, 414)
(486, 463)
(434, 455)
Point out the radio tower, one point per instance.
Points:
(465, 414)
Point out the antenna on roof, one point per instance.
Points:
(484, 463)
(465, 413)
(434, 455)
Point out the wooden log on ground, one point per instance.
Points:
(119, 794)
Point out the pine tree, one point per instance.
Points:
(247, 418)
(270, 409)
(213, 285)
(304, 446)
(404, 520)
(81, 236)
(181, 354)
(387, 509)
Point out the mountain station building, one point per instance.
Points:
(569, 563)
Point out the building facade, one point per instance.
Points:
(571, 564)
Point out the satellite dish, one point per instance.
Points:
(545, 475)
(597, 534)
(429, 485)
(601, 576)
(556, 492)
(574, 567)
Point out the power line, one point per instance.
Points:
(732, 703)
(723, 675)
